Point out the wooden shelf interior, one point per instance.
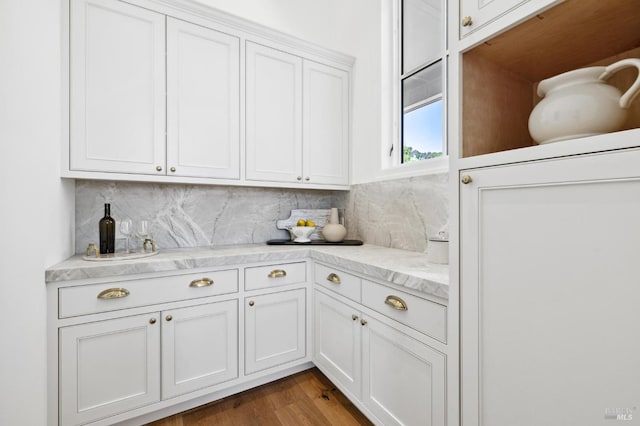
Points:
(500, 76)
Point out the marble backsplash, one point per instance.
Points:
(401, 213)
(398, 213)
(193, 215)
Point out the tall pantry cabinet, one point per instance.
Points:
(547, 292)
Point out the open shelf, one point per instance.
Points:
(500, 76)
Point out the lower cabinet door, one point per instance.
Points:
(337, 337)
(275, 329)
(199, 347)
(403, 379)
(108, 367)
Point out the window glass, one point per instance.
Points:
(421, 33)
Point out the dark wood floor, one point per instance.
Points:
(306, 398)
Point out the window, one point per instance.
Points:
(419, 81)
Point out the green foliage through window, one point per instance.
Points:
(409, 154)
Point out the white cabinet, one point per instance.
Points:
(476, 14)
(273, 115)
(118, 103)
(153, 94)
(275, 329)
(337, 342)
(325, 149)
(548, 290)
(398, 379)
(117, 71)
(403, 379)
(108, 367)
(297, 119)
(112, 366)
(199, 347)
(203, 102)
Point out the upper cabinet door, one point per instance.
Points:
(273, 115)
(117, 82)
(326, 125)
(203, 102)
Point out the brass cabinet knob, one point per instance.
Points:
(467, 21)
(466, 179)
(299, 178)
(251, 303)
(307, 178)
(354, 317)
(152, 321)
(159, 168)
(168, 317)
(363, 322)
(173, 169)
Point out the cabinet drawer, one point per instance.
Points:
(275, 275)
(423, 315)
(83, 300)
(336, 280)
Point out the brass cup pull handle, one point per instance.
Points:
(277, 273)
(202, 282)
(113, 293)
(396, 303)
(333, 278)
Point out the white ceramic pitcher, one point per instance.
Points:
(580, 103)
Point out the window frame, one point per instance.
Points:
(392, 151)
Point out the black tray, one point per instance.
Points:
(314, 243)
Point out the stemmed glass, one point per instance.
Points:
(142, 231)
(126, 228)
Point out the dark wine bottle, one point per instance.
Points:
(107, 231)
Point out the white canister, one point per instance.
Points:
(438, 251)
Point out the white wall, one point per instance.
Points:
(351, 27)
(36, 212)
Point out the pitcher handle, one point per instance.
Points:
(634, 90)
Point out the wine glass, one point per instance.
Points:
(142, 231)
(126, 228)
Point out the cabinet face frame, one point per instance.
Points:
(210, 146)
(147, 97)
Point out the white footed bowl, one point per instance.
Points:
(302, 233)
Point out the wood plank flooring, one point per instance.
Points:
(306, 398)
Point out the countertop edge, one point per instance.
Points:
(400, 267)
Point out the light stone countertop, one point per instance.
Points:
(401, 267)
